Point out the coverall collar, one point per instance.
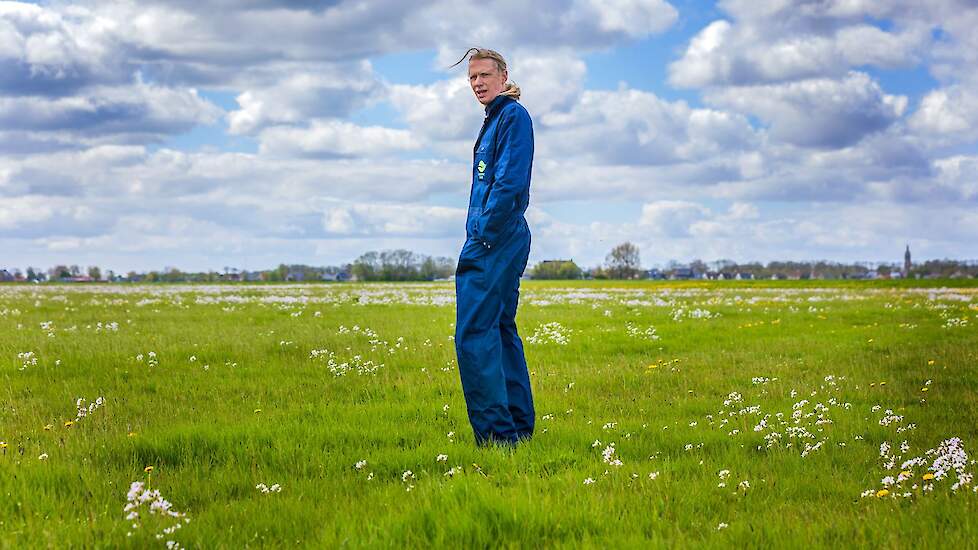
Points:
(496, 102)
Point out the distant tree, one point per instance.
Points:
(95, 273)
(429, 269)
(364, 268)
(444, 267)
(400, 265)
(556, 269)
(59, 272)
(75, 270)
(724, 265)
(172, 275)
(699, 266)
(623, 261)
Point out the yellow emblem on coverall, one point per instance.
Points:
(482, 166)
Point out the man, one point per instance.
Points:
(490, 353)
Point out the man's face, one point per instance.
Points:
(486, 79)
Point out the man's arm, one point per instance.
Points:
(511, 173)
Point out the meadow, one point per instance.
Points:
(668, 414)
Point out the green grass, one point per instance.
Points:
(264, 411)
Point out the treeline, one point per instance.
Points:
(401, 265)
(388, 265)
(624, 262)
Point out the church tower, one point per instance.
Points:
(906, 262)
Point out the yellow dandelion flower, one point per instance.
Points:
(69, 423)
(872, 385)
(148, 469)
(906, 473)
(131, 434)
(924, 388)
(870, 341)
(882, 493)
(930, 362)
(928, 476)
(3, 444)
(48, 427)
(882, 383)
(257, 411)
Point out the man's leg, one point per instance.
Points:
(477, 344)
(514, 361)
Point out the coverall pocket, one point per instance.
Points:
(472, 221)
(472, 258)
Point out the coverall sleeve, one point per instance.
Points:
(511, 173)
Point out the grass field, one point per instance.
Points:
(775, 415)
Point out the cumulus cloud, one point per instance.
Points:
(442, 111)
(764, 42)
(672, 218)
(629, 126)
(336, 139)
(817, 112)
(960, 174)
(56, 53)
(324, 91)
(948, 111)
(873, 231)
(393, 220)
(141, 109)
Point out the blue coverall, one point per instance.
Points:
(490, 353)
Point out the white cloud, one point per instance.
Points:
(635, 18)
(672, 219)
(772, 42)
(951, 110)
(443, 111)
(394, 220)
(635, 127)
(817, 112)
(141, 111)
(49, 52)
(316, 92)
(336, 139)
(959, 173)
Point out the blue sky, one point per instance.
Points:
(138, 135)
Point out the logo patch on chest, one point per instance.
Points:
(481, 166)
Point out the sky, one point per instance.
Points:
(248, 133)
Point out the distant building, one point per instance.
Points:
(340, 277)
(5, 276)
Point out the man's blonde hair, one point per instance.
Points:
(511, 89)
